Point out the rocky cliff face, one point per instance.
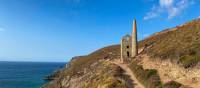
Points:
(99, 75)
(91, 71)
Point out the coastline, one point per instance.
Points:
(25, 74)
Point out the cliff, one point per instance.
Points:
(171, 55)
(92, 70)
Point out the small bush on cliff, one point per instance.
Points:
(113, 83)
(189, 61)
(172, 84)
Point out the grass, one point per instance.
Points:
(175, 44)
(79, 63)
(106, 76)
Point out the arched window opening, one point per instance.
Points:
(127, 47)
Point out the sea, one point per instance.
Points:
(26, 74)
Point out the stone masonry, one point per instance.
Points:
(129, 46)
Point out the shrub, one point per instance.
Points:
(172, 84)
(189, 61)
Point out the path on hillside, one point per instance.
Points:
(128, 72)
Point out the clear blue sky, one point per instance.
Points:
(56, 30)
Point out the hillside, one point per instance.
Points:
(174, 53)
(90, 70)
(179, 45)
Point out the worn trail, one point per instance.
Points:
(128, 71)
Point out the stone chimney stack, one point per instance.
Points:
(134, 39)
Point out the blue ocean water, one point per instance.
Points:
(25, 74)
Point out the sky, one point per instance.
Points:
(57, 30)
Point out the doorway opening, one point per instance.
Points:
(128, 54)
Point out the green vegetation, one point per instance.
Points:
(189, 61)
(113, 83)
(172, 84)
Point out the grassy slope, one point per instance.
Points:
(182, 43)
(77, 64)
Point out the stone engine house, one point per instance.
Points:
(126, 48)
(129, 47)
